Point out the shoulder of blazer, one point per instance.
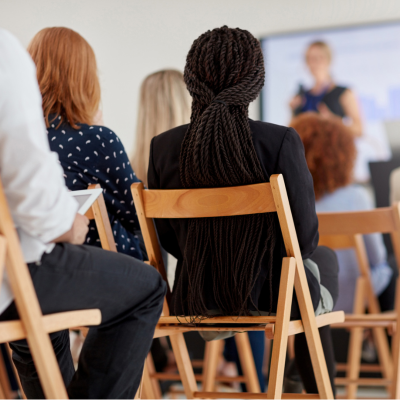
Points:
(267, 134)
(166, 146)
(172, 137)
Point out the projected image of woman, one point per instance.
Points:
(325, 96)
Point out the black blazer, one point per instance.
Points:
(280, 151)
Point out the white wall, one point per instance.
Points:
(133, 38)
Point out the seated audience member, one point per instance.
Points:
(164, 104)
(330, 154)
(89, 152)
(232, 265)
(67, 276)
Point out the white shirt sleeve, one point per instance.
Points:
(31, 174)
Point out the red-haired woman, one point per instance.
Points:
(330, 154)
(89, 153)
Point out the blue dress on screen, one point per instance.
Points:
(95, 154)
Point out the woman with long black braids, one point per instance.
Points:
(231, 265)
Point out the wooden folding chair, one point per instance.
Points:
(220, 202)
(33, 326)
(345, 230)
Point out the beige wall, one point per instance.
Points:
(132, 38)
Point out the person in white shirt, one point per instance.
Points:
(67, 275)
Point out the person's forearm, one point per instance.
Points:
(64, 238)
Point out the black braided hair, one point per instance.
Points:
(224, 72)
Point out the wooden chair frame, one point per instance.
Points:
(33, 326)
(98, 212)
(345, 230)
(242, 200)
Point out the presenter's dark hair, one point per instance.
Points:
(224, 72)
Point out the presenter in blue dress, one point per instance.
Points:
(325, 97)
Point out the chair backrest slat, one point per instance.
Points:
(357, 222)
(98, 212)
(211, 202)
(337, 241)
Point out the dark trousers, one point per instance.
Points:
(129, 294)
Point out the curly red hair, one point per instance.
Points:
(330, 151)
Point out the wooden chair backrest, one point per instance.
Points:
(213, 202)
(340, 230)
(28, 305)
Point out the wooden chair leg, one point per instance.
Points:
(9, 351)
(356, 339)
(312, 335)
(212, 356)
(395, 388)
(302, 289)
(156, 390)
(139, 392)
(4, 380)
(383, 350)
(3, 393)
(247, 362)
(148, 391)
(184, 364)
(267, 356)
(279, 347)
(380, 337)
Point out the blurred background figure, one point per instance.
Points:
(330, 154)
(325, 96)
(164, 104)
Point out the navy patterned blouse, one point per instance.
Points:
(95, 154)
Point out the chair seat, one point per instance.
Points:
(13, 330)
(173, 325)
(384, 320)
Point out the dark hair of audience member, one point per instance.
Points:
(330, 151)
(224, 72)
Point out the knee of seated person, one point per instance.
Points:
(326, 256)
(152, 276)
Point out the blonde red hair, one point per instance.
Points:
(164, 104)
(330, 151)
(322, 46)
(67, 75)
